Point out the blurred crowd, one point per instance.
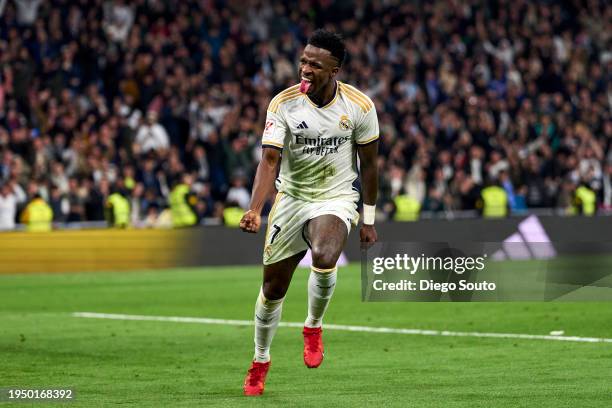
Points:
(99, 96)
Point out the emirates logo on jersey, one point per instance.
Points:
(345, 123)
(320, 146)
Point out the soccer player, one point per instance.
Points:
(315, 129)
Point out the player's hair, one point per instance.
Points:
(329, 41)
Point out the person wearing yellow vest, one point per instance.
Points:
(182, 202)
(232, 214)
(37, 215)
(407, 208)
(585, 200)
(118, 209)
(493, 201)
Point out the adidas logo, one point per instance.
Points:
(302, 125)
(530, 242)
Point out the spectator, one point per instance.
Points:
(94, 197)
(151, 136)
(27, 11)
(37, 216)
(58, 177)
(137, 212)
(607, 187)
(468, 91)
(118, 19)
(59, 204)
(76, 201)
(434, 201)
(200, 163)
(8, 207)
(238, 192)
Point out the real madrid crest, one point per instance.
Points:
(345, 123)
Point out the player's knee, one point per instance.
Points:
(322, 257)
(272, 291)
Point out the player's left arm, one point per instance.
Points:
(368, 155)
(366, 137)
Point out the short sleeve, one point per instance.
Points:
(367, 131)
(274, 131)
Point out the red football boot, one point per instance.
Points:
(313, 346)
(256, 378)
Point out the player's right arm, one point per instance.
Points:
(272, 142)
(264, 181)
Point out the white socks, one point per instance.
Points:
(321, 284)
(267, 316)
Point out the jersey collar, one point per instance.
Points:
(330, 103)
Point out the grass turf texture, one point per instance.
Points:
(138, 363)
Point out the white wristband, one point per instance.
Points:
(369, 214)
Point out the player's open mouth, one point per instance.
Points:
(305, 85)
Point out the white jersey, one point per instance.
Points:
(319, 144)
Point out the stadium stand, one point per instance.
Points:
(103, 95)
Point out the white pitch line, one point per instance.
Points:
(365, 329)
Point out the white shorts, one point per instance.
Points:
(286, 231)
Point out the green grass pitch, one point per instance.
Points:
(144, 363)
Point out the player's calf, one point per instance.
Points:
(321, 285)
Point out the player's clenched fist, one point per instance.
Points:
(368, 234)
(250, 222)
